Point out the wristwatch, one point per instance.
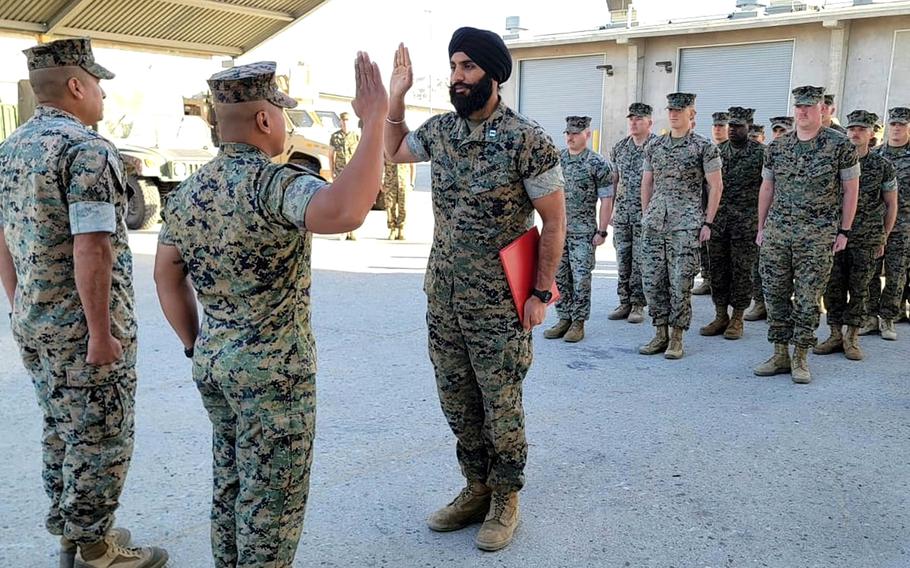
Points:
(543, 295)
(844, 232)
(188, 352)
(708, 224)
(603, 233)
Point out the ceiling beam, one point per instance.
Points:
(234, 8)
(213, 49)
(20, 26)
(67, 13)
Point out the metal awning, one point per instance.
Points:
(209, 27)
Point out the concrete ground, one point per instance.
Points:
(634, 461)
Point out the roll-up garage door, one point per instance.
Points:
(551, 89)
(755, 75)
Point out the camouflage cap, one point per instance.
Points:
(807, 95)
(862, 118)
(829, 99)
(576, 124)
(899, 115)
(676, 101)
(721, 118)
(639, 109)
(66, 53)
(756, 129)
(740, 116)
(785, 122)
(247, 83)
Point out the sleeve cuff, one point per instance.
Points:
(297, 198)
(888, 186)
(416, 148)
(646, 166)
(92, 217)
(852, 172)
(605, 192)
(546, 183)
(713, 165)
(767, 174)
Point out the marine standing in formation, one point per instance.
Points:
(344, 143)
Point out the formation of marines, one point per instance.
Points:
(813, 214)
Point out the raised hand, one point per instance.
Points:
(371, 102)
(402, 74)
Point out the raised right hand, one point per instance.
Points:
(371, 102)
(402, 74)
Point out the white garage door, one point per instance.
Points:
(545, 96)
(899, 85)
(755, 75)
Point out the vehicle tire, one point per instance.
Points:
(144, 209)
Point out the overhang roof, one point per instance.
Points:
(201, 27)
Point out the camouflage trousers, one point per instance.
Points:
(886, 302)
(396, 212)
(731, 262)
(573, 278)
(627, 242)
(848, 287)
(481, 358)
(797, 268)
(87, 438)
(757, 293)
(669, 263)
(263, 423)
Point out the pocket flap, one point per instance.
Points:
(89, 376)
(282, 425)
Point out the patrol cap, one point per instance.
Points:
(740, 116)
(248, 83)
(829, 99)
(785, 122)
(576, 124)
(756, 129)
(66, 53)
(677, 101)
(721, 118)
(639, 109)
(899, 115)
(862, 118)
(807, 95)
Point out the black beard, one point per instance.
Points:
(477, 97)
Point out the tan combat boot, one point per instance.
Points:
(636, 315)
(834, 343)
(558, 330)
(851, 346)
(620, 313)
(393, 234)
(68, 548)
(756, 312)
(675, 347)
(498, 527)
(886, 328)
(799, 366)
(470, 506)
(870, 325)
(702, 289)
(400, 235)
(778, 364)
(658, 344)
(109, 553)
(735, 327)
(718, 324)
(576, 332)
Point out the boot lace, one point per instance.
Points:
(498, 506)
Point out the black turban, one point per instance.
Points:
(486, 49)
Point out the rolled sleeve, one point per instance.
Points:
(297, 198)
(605, 192)
(646, 165)
(94, 183)
(767, 173)
(546, 183)
(92, 217)
(713, 165)
(711, 161)
(165, 236)
(852, 172)
(417, 147)
(889, 185)
(285, 193)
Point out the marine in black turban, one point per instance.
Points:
(486, 49)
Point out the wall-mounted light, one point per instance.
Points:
(667, 65)
(608, 69)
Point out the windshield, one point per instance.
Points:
(329, 119)
(300, 118)
(163, 131)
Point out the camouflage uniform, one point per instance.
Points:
(344, 144)
(59, 179)
(800, 229)
(854, 266)
(255, 357)
(395, 181)
(588, 179)
(483, 182)
(886, 302)
(670, 226)
(732, 245)
(627, 160)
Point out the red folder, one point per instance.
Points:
(519, 260)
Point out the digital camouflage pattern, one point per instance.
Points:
(680, 100)
(59, 179)
(577, 124)
(732, 247)
(627, 160)
(670, 261)
(255, 358)
(248, 83)
(75, 52)
(483, 182)
(847, 291)
(395, 181)
(344, 144)
(801, 227)
(885, 302)
(588, 179)
(808, 95)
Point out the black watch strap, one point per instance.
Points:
(603, 233)
(708, 224)
(844, 232)
(189, 352)
(543, 295)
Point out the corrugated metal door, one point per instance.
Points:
(755, 75)
(549, 90)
